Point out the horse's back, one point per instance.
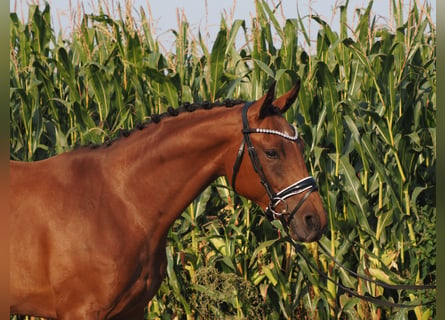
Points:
(29, 238)
(44, 229)
(67, 250)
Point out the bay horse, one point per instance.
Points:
(88, 228)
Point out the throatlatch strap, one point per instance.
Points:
(237, 164)
(252, 152)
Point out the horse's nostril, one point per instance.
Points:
(311, 221)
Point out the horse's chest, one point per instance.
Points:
(143, 283)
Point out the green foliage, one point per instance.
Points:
(367, 113)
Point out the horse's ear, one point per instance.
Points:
(286, 100)
(267, 101)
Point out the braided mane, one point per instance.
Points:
(171, 112)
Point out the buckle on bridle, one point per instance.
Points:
(275, 202)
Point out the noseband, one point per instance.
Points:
(307, 184)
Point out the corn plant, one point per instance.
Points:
(366, 111)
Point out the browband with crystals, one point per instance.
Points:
(278, 133)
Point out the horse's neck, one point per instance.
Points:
(165, 166)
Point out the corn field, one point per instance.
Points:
(366, 111)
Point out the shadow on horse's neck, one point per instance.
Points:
(166, 165)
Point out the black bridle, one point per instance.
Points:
(307, 185)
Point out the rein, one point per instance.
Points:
(368, 298)
(307, 184)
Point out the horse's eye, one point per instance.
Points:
(272, 154)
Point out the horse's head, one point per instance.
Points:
(273, 172)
